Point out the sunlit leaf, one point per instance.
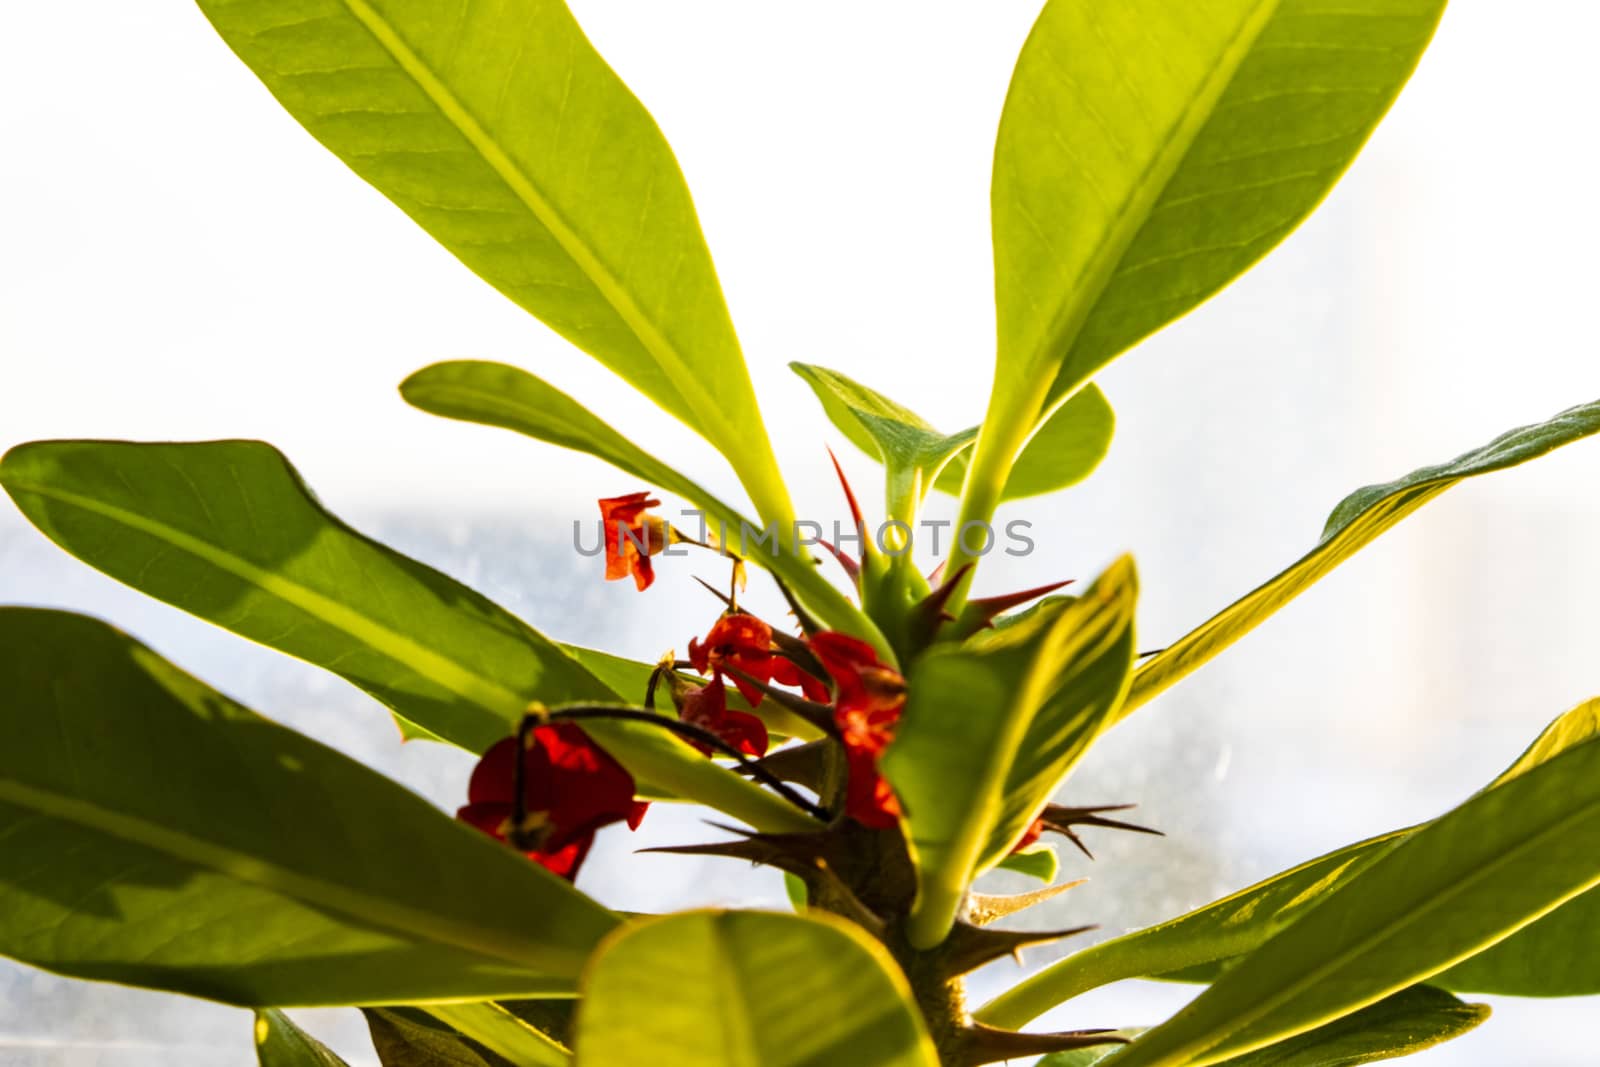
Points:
(971, 783)
(1358, 519)
(158, 834)
(748, 989)
(227, 531)
(494, 394)
(1443, 893)
(500, 131)
(280, 1043)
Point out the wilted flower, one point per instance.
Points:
(628, 528)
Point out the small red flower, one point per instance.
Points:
(706, 706)
(627, 526)
(571, 788)
(785, 672)
(742, 642)
(869, 698)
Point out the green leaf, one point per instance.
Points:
(1148, 153)
(1443, 893)
(1354, 524)
(501, 1032)
(280, 1043)
(747, 989)
(1066, 450)
(1410, 1021)
(1557, 952)
(227, 531)
(971, 783)
(502, 133)
(495, 394)
(1036, 861)
(158, 834)
(410, 1037)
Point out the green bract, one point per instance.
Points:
(888, 742)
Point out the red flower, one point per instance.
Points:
(571, 788)
(627, 527)
(785, 672)
(742, 642)
(706, 706)
(867, 705)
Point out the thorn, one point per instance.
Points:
(850, 498)
(985, 908)
(933, 575)
(714, 591)
(970, 947)
(979, 614)
(986, 1044)
(818, 715)
(1152, 652)
(808, 625)
(800, 764)
(928, 614)
(1061, 820)
(848, 562)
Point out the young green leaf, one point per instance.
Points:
(1555, 954)
(747, 989)
(1445, 892)
(160, 835)
(498, 395)
(504, 134)
(227, 531)
(1066, 450)
(1037, 861)
(280, 1043)
(1149, 153)
(1354, 524)
(970, 784)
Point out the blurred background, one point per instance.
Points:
(180, 261)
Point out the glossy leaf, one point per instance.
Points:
(1148, 153)
(1066, 450)
(1555, 953)
(990, 729)
(502, 1033)
(494, 394)
(501, 132)
(158, 834)
(1410, 1021)
(1443, 893)
(227, 531)
(747, 989)
(280, 1043)
(1354, 524)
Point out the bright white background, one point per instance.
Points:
(179, 260)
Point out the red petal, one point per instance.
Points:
(490, 818)
(494, 778)
(564, 861)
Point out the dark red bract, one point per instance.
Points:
(706, 706)
(869, 698)
(740, 641)
(571, 788)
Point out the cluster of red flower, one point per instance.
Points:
(572, 788)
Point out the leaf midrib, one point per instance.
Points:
(447, 673)
(522, 185)
(365, 909)
(1456, 886)
(1061, 332)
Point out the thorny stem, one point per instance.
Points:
(692, 733)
